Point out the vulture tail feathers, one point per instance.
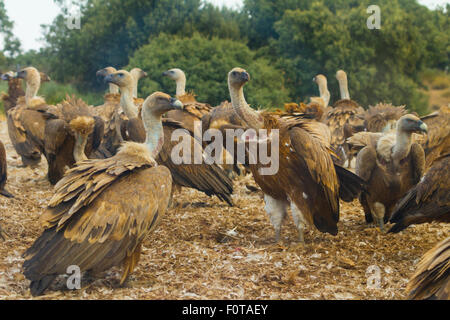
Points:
(350, 185)
(37, 287)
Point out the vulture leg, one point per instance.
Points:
(300, 222)
(378, 214)
(276, 209)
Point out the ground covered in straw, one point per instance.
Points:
(204, 249)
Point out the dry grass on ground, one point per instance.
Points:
(207, 250)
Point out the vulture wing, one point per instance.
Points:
(437, 140)
(427, 201)
(100, 214)
(432, 280)
(210, 179)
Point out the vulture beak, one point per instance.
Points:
(423, 127)
(109, 78)
(5, 77)
(101, 74)
(144, 74)
(21, 74)
(314, 79)
(245, 76)
(165, 74)
(175, 103)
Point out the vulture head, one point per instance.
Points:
(411, 124)
(44, 77)
(121, 78)
(138, 73)
(29, 74)
(341, 75)
(174, 74)
(237, 78)
(320, 79)
(159, 103)
(8, 76)
(101, 74)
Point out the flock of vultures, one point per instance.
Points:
(114, 177)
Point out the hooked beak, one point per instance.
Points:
(20, 74)
(177, 104)
(423, 127)
(245, 76)
(109, 78)
(165, 74)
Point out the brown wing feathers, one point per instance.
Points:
(99, 215)
(427, 201)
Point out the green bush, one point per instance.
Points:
(206, 63)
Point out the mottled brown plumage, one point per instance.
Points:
(102, 211)
(391, 167)
(210, 179)
(428, 201)
(432, 277)
(437, 141)
(382, 117)
(3, 172)
(306, 178)
(60, 141)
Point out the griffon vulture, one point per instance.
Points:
(193, 111)
(210, 179)
(103, 209)
(391, 165)
(344, 119)
(307, 179)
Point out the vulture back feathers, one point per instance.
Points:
(432, 278)
(428, 201)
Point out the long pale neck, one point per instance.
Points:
(402, 145)
(32, 88)
(78, 150)
(240, 106)
(181, 85)
(343, 87)
(135, 87)
(324, 93)
(127, 103)
(154, 132)
(113, 88)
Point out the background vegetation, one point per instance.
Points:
(282, 43)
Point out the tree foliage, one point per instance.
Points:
(283, 44)
(206, 63)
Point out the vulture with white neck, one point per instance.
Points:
(3, 172)
(103, 209)
(26, 123)
(322, 84)
(112, 114)
(437, 141)
(391, 165)
(193, 110)
(431, 281)
(378, 120)
(307, 179)
(210, 179)
(344, 119)
(428, 201)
